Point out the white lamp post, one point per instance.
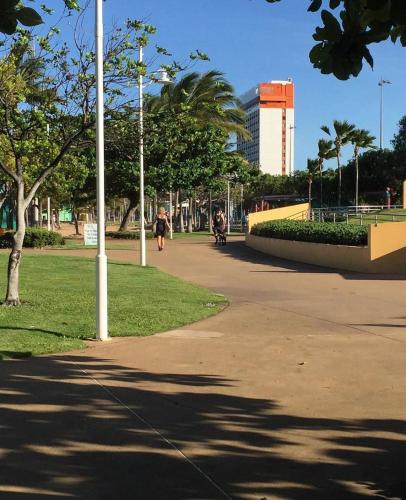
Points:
(143, 256)
(381, 83)
(48, 199)
(163, 79)
(170, 215)
(101, 258)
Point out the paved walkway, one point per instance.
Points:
(297, 390)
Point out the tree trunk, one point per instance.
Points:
(310, 193)
(356, 180)
(190, 216)
(128, 214)
(3, 199)
(76, 221)
(35, 212)
(177, 210)
(40, 213)
(321, 186)
(195, 215)
(181, 223)
(210, 215)
(176, 204)
(12, 295)
(10, 217)
(339, 178)
(156, 208)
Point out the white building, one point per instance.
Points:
(271, 121)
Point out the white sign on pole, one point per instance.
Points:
(90, 234)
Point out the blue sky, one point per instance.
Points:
(253, 41)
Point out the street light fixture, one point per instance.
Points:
(101, 258)
(381, 83)
(163, 79)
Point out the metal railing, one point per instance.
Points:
(302, 215)
(364, 214)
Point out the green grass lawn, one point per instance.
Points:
(202, 233)
(391, 215)
(76, 244)
(123, 244)
(58, 310)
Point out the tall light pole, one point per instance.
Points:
(48, 198)
(381, 83)
(101, 258)
(143, 256)
(163, 79)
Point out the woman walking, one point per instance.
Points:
(161, 225)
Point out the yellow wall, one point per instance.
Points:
(385, 253)
(293, 212)
(386, 238)
(387, 247)
(335, 256)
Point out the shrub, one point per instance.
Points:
(315, 232)
(6, 240)
(127, 235)
(34, 238)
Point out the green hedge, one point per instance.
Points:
(315, 232)
(34, 238)
(127, 235)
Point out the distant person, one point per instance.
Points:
(55, 223)
(161, 226)
(219, 227)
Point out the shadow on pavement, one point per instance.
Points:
(64, 435)
(238, 250)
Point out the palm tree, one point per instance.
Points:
(208, 98)
(360, 139)
(326, 152)
(312, 169)
(343, 132)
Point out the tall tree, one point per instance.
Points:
(208, 99)
(360, 139)
(349, 28)
(312, 169)
(55, 90)
(325, 152)
(343, 131)
(14, 12)
(342, 41)
(399, 140)
(202, 107)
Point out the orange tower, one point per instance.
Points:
(270, 119)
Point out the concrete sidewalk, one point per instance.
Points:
(297, 390)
